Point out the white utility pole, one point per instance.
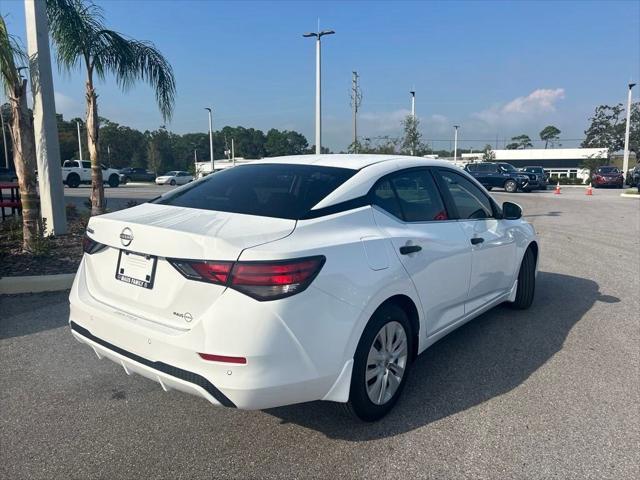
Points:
(318, 35)
(79, 140)
(625, 161)
(4, 140)
(233, 152)
(44, 119)
(413, 112)
(210, 138)
(413, 103)
(455, 143)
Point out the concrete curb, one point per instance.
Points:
(36, 283)
(630, 195)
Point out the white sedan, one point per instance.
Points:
(174, 178)
(316, 277)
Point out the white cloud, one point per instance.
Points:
(522, 109)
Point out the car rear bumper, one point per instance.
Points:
(288, 359)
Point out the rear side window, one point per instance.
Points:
(411, 196)
(268, 190)
(468, 199)
(86, 164)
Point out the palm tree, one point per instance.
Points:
(80, 36)
(22, 137)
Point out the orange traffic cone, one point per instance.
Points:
(557, 190)
(589, 190)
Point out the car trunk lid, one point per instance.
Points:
(116, 274)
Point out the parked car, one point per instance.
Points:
(297, 279)
(135, 174)
(174, 178)
(542, 177)
(633, 176)
(75, 172)
(607, 176)
(8, 175)
(500, 175)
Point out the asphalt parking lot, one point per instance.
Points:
(552, 392)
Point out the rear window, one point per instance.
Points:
(268, 190)
(608, 170)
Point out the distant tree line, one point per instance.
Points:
(162, 150)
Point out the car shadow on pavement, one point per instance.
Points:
(485, 358)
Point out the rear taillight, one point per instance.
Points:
(204, 271)
(90, 246)
(260, 280)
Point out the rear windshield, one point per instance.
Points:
(268, 190)
(608, 170)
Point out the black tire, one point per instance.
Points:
(126, 180)
(360, 405)
(526, 282)
(172, 183)
(73, 180)
(510, 186)
(114, 181)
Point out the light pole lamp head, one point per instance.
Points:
(456, 126)
(208, 109)
(413, 94)
(326, 32)
(310, 34)
(631, 85)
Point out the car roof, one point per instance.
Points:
(370, 169)
(348, 160)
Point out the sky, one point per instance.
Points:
(497, 69)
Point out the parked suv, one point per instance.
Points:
(607, 176)
(136, 175)
(633, 176)
(542, 177)
(501, 175)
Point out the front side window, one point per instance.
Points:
(470, 201)
(411, 196)
(269, 190)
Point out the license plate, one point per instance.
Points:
(136, 268)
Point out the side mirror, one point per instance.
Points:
(511, 211)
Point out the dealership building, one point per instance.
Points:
(558, 162)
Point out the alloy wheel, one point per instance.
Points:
(386, 363)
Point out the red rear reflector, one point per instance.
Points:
(223, 358)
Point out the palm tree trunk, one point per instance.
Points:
(24, 158)
(98, 206)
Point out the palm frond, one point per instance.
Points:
(78, 33)
(11, 55)
(74, 25)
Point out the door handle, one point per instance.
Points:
(407, 249)
(477, 240)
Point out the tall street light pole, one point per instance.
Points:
(44, 119)
(413, 116)
(455, 143)
(79, 141)
(318, 35)
(210, 137)
(625, 161)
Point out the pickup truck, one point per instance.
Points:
(75, 172)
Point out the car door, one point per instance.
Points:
(85, 171)
(493, 243)
(433, 249)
